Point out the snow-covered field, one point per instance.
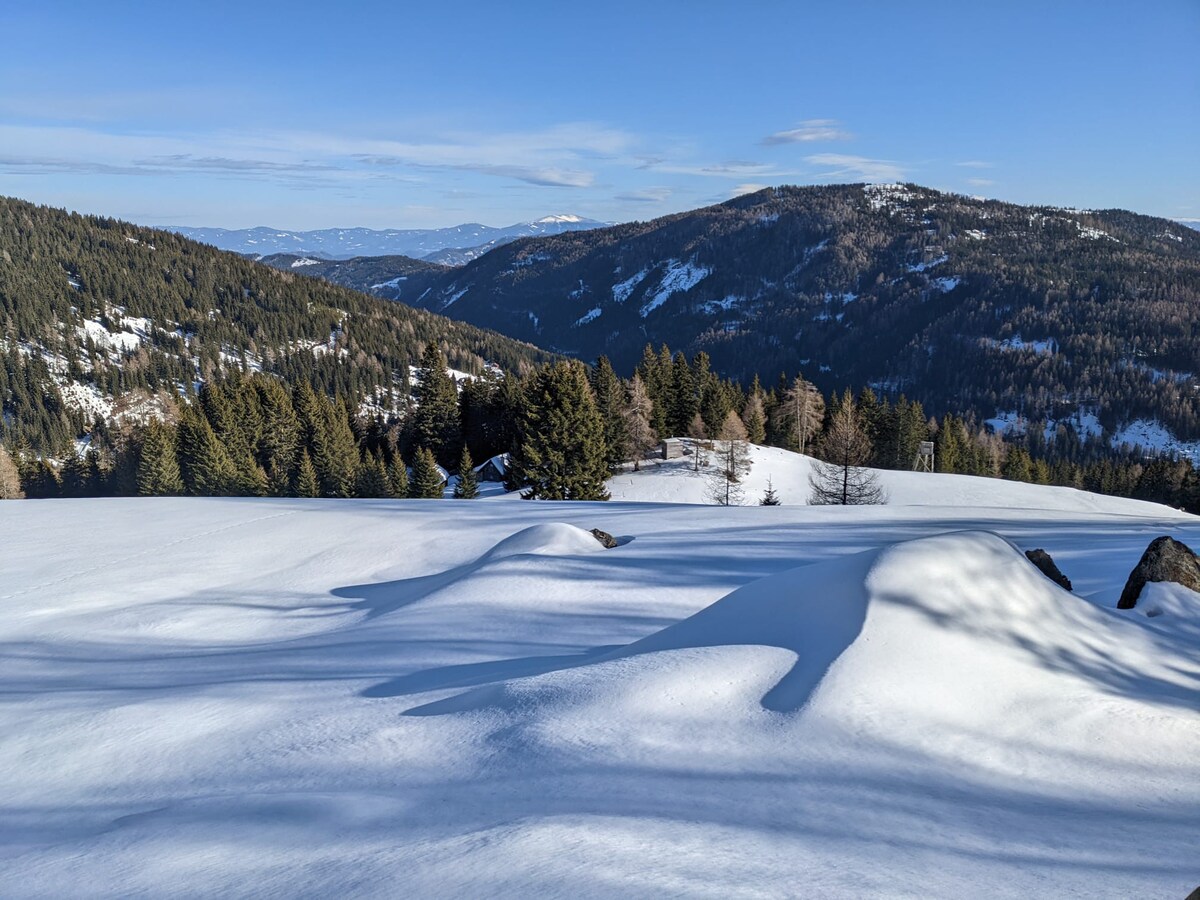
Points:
(299, 698)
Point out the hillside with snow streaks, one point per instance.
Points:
(972, 306)
(476, 699)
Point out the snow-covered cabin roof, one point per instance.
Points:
(499, 461)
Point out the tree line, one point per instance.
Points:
(566, 428)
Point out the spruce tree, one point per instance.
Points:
(398, 476)
(306, 477)
(562, 453)
(611, 402)
(685, 398)
(436, 424)
(207, 469)
(467, 485)
(770, 498)
(373, 481)
(158, 469)
(426, 482)
(755, 419)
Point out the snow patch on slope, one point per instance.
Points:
(678, 278)
(1154, 437)
(622, 289)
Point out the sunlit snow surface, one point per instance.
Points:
(464, 699)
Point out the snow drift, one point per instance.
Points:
(243, 697)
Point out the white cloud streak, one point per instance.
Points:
(809, 131)
(857, 167)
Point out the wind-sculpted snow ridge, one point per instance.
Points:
(256, 697)
(549, 538)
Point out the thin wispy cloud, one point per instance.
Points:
(856, 167)
(554, 157)
(646, 195)
(809, 131)
(974, 164)
(980, 182)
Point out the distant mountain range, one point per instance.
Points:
(1085, 319)
(457, 245)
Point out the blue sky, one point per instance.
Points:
(420, 115)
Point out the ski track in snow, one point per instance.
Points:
(442, 698)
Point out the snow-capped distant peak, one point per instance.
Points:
(561, 219)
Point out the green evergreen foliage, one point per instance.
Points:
(467, 485)
(307, 484)
(398, 477)
(562, 455)
(436, 425)
(1017, 465)
(685, 396)
(158, 472)
(207, 468)
(209, 311)
(426, 482)
(754, 418)
(770, 497)
(373, 479)
(611, 403)
(970, 305)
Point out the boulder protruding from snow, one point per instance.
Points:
(1046, 566)
(607, 541)
(1166, 559)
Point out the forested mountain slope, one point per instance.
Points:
(97, 315)
(391, 277)
(1084, 318)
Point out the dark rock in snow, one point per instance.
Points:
(604, 538)
(1166, 559)
(1046, 566)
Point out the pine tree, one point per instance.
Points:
(467, 485)
(562, 453)
(426, 482)
(306, 477)
(436, 424)
(158, 469)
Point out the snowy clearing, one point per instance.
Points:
(235, 697)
